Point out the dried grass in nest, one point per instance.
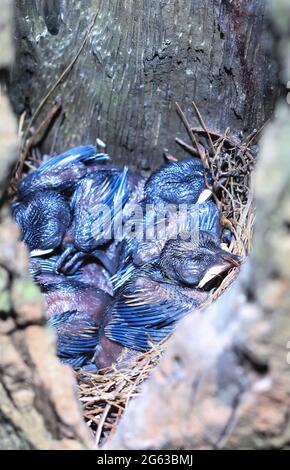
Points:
(104, 396)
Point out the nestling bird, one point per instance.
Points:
(172, 185)
(58, 205)
(74, 310)
(179, 182)
(136, 253)
(62, 172)
(42, 270)
(146, 308)
(43, 209)
(43, 219)
(68, 211)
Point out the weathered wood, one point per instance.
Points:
(140, 58)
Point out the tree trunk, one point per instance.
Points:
(140, 58)
(123, 70)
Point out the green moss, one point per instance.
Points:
(25, 290)
(5, 302)
(30, 290)
(3, 279)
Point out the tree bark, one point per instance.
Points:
(140, 58)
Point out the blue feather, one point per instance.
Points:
(76, 337)
(209, 218)
(113, 193)
(61, 172)
(144, 314)
(83, 154)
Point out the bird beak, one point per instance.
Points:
(102, 157)
(204, 196)
(36, 253)
(228, 260)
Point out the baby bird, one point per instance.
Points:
(43, 219)
(62, 172)
(95, 206)
(43, 208)
(58, 205)
(42, 271)
(146, 308)
(136, 253)
(179, 182)
(169, 187)
(74, 310)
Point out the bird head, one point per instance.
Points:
(194, 263)
(43, 218)
(176, 183)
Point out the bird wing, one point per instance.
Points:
(96, 207)
(139, 251)
(76, 336)
(209, 218)
(123, 274)
(126, 265)
(62, 171)
(147, 313)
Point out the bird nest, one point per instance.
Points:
(105, 396)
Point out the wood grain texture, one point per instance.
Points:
(141, 57)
